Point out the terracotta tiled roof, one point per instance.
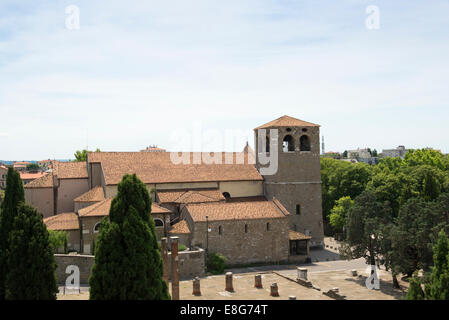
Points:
(94, 194)
(30, 175)
(155, 208)
(42, 182)
(70, 170)
(190, 196)
(62, 221)
(157, 167)
(286, 121)
(102, 209)
(295, 235)
(180, 227)
(246, 199)
(217, 211)
(96, 210)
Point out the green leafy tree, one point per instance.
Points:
(438, 287)
(58, 239)
(216, 263)
(415, 291)
(82, 155)
(339, 213)
(14, 195)
(31, 265)
(412, 236)
(365, 228)
(128, 263)
(32, 166)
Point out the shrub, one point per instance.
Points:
(216, 263)
(181, 247)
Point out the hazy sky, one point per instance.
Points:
(149, 72)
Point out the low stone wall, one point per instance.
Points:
(191, 264)
(84, 263)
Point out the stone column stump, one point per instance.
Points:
(302, 273)
(274, 292)
(196, 287)
(258, 281)
(291, 297)
(229, 287)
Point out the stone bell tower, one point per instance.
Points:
(297, 181)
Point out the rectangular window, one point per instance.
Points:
(298, 209)
(246, 228)
(268, 226)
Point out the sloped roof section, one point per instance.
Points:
(42, 182)
(62, 221)
(287, 121)
(70, 170)
(102, 209)
(220, 211)
(93, 195)
(295, 235)
(180, 227)
(158, 167)
(190, 196)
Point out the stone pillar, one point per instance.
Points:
(291, 297)
(165, 258)
(229, 286)
(354, 272)
(308, 247)
(274, 292)
(258, 281)
(174, 269)
(196, 287)
(302, 273)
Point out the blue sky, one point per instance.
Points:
(148, 73)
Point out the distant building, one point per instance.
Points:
(359, 153)
(3, 172)
(21, 165)
(363, 155)
(400, 152)
(152, 148)
(27, 177)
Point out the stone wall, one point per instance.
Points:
(191, 264)
(257, 245)
(83, 262)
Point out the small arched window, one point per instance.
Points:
(219, 230)
(288, 144)
(158, 222)
(97, 227)
(246, 228)
(268, 226)
(304, 143)
(226, 195)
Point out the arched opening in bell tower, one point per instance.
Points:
(288, 144)
(304, 143)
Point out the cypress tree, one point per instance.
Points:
(415, 291)
(31, 262)
(128, 264)
(14, 194)
(438, 287)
